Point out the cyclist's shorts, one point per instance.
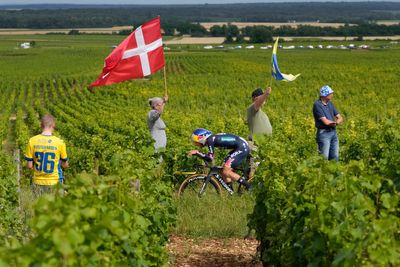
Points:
(236, 157)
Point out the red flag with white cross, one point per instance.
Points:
(139, 55)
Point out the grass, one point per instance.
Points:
(213, 216)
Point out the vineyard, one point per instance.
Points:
(307, 211)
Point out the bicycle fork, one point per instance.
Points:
(204, 186)
(220, 180)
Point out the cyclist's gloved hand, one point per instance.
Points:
(193, 152)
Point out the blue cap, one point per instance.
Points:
(325, 90)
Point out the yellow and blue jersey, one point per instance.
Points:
(46, 151)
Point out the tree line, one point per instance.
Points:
(94, 16)
(263, 34)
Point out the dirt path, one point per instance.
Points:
(213, 252)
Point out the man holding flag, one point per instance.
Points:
(138, 56)
(257, 121)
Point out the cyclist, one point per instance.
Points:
(239, 152)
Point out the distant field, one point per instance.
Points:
(187, 40)
(207, 25)
(388, 22)
(46, 31)
(219, 40)
(195, 40)
(343, 38)
(240, 25)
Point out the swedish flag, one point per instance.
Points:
(275, 68)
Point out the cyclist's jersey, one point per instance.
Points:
(46, 151)
(224, 140)
(238, 145)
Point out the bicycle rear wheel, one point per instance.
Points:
(193, 184)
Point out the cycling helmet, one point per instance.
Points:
(200, 136)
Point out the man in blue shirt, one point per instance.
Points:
(326, 119)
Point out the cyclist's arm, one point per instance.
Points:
(206, 157)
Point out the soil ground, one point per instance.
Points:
(213, 252)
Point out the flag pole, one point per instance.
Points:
(272, 76)
(165, 81)
(271, 79)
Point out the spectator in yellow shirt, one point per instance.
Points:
(45, 155)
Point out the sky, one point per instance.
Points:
(166, 2)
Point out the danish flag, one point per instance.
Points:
(139, 55)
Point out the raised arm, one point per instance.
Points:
(165, 98)
(259, 100)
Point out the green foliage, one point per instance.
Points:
(228, 31)
(101, 221)
(307, 211)
(194, 29)
(125, 32)
(260, 35)
(73, 32)
(213, 216)
(314, 212)
(10, 223)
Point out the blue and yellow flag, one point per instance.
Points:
(275, 68)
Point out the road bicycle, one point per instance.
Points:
(207, 179)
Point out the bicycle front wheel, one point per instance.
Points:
(194, 184)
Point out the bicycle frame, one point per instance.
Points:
(214, 171)
(208, 174)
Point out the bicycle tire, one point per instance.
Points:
(193, 184)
